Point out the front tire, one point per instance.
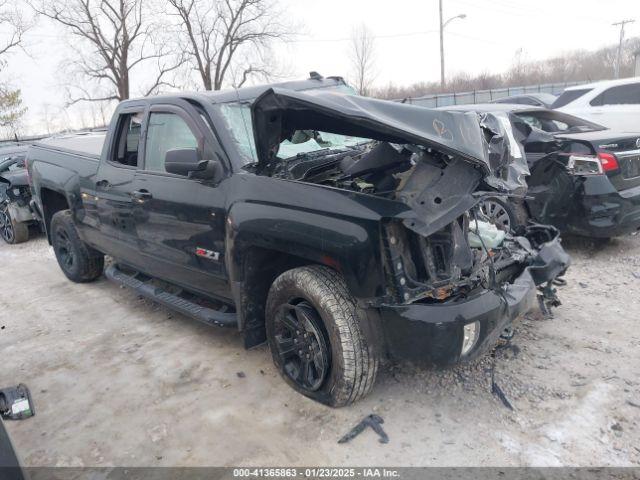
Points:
(78, 261)
(316, 338)
(11, 231)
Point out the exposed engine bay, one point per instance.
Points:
(374, 168)
(442, 247)
(454, 260)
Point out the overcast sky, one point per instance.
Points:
(406, 31)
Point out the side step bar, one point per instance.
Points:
(186, 307)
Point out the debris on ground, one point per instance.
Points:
(554, 381)
(374, 421)
(16, 403)
(616, 427)
(495, 388)
(241, 374)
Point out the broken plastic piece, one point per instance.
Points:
(374, 421)
(495, 388)
(16, 403)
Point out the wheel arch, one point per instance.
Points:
(263, 240)
(251, 279)
(52, 201)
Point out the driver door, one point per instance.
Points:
(180, 221)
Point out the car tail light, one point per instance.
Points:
(592, 165)
(608, 161)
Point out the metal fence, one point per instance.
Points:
(483, 96)
(15, 140)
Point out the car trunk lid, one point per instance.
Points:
(626, 149)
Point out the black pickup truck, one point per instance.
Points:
(338, 228)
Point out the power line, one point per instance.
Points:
(344, 39)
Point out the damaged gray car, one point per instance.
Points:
(16, 217)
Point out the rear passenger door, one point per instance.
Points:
(180, 221)
(110, 209)
(618, 107)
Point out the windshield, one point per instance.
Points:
(556, 122)
(238, 118)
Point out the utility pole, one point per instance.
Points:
(619, 56)
(442, 25)
(441, 49)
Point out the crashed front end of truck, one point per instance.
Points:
(453, 281)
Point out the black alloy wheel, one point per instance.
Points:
(6, 225)
(301, 344)
(64, 250)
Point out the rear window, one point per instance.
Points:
(620, 95)
(569, 96)
(557, 122)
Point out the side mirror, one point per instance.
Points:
(183, 161)
(188, 162)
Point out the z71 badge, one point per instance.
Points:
(208, 254)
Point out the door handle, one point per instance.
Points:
(142, 195)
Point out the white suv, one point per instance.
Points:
(613, 103)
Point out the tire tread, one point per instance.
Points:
(359, 361)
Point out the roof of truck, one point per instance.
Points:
(248, 93)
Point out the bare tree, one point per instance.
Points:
(227, 40)
(13, 26)
(118, 38)
(362, 57)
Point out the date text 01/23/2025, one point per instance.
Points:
(315, 472)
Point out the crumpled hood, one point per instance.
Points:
(487, 141)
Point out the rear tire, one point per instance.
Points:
(11, 231)
(314, 302)
(78, 261)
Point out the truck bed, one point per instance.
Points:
(84, 144)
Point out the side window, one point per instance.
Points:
(128, 139)
(166, 131)
(621, 95)
(569, 96)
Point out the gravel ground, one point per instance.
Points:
(120, 381)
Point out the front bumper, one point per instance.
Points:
(433, 333)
